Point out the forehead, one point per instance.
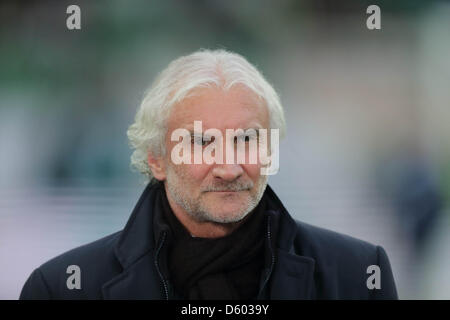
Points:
(235, 108)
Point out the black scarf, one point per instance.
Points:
(221, 268)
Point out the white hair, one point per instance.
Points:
(203, 68)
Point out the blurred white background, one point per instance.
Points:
(367, 147)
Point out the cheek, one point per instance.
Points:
(194, 172)
(253, 171)
(188, 172)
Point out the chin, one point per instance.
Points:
(228, 218)
(228, 214)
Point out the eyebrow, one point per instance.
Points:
(256, 129)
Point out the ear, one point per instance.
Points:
(157, 167)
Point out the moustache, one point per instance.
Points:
(235, 186)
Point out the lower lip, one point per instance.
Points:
(227, 191)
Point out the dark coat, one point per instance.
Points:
(311, 263)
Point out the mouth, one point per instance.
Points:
(225, 191)
(228, 191)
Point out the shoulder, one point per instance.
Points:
(317, 242)
(344, 263)
(95, 260)
(317, 239)
(329, 248)
(99, 250)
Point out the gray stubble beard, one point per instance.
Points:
(194, 208)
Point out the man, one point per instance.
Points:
(207, 229)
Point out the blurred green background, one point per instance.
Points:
(367, 151)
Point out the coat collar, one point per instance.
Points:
(135, 252)
(136, 240)
(291, 276)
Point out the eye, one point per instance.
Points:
(245, 138)
(199, 140)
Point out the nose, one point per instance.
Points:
(227, 172)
